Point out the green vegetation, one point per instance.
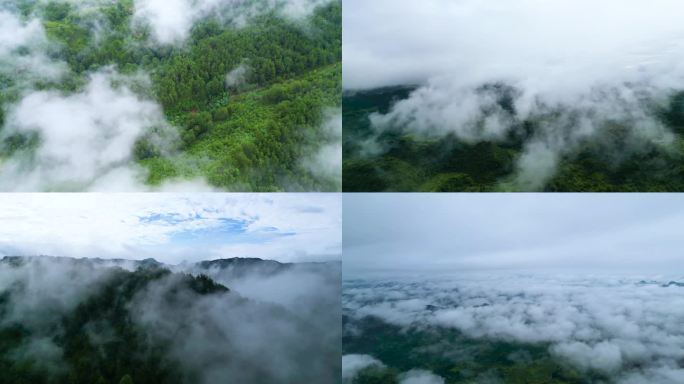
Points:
(249, 136)
(453, 356)
(396, 160)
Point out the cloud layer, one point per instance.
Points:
(636, 338)
(353, 364)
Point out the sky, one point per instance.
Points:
(456, 232)
(544, 45)
(172, 227)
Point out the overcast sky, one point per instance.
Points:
(616, 232)
(172, 227)
(560, 44)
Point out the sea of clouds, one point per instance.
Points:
(625, 327)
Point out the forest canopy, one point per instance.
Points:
(242, 100)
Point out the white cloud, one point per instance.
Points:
(326, 163)
(84, 138)
(419, 376)
(595, 278)
(171, 21)
(32, 63)
(237, 76)
(352, 364)
(604, 356)
(230, 339)
(17, 34)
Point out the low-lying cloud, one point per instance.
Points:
(326, 163)
(84, 138)
(238, 76)
(24, 51)
(79, 140)
(420, 376)
(353, 364)
(264, 338)
(171, 21)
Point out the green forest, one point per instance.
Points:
(405, 162)
(453, 356)
(247, 136)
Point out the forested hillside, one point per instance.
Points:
(96, 321)
(395, 158)
(249, 96)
